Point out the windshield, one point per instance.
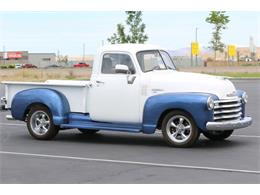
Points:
(167, 60)
(154, 60)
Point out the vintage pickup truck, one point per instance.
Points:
(133, 88)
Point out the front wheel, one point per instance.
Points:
(40, 124)
(179, 129)
(217, 135)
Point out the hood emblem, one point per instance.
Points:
(157, 90)
(231, 94)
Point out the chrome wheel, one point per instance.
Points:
(40, 122)
(179, 128)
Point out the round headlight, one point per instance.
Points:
(210, 103)
(244, 98)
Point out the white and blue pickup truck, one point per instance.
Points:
(133, 88)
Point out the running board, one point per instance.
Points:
(82, 121)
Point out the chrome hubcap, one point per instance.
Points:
(179, 129)
(40, 122)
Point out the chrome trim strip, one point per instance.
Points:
(229, 125)
(228, 116)
(227, 100)
(227, 111)
(228, 106)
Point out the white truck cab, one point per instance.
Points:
(133, 88)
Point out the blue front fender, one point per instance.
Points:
(54, 100)
(193, 103)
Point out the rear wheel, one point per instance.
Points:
(179, 129)
(88, 131)
(40, 124)
(217, 135)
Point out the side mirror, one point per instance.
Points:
(120, 68)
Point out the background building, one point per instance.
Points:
(41, 60)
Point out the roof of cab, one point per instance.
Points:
(133, 48)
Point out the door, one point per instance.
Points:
(112, 97)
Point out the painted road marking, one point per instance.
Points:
(247, 136)
(157, 132)
(12, 124)
(133, 162)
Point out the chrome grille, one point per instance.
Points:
(227, 110)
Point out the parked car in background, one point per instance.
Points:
(28, 66)
(81, 65)
(18, 65)
(53, 66)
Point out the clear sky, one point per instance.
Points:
(67, 31)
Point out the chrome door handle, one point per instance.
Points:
(100, 82)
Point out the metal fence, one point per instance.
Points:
(182, 61)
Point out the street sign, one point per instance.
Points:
(195, 50)
(231, 50)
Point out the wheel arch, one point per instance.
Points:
(195, 104)
(29, 107)
(160, 120)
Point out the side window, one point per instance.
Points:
(110, 60)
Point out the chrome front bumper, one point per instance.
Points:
(229, 125)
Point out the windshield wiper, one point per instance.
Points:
(155, 68)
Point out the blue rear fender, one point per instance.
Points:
(54, 100)
(193, 103)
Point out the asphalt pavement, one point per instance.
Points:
(113, 157)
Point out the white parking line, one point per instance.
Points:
(12, 124)
(133, 162)
(247, 136)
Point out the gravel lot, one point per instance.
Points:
(111, 157)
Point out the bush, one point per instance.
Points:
(3, 66)
(11, 66)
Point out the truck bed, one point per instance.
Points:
(75, 91)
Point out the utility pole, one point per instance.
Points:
(4, 54)
(191, 57)
(196, 39)
(83, 58)
(58, 57)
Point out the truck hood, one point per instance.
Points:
(162, 81)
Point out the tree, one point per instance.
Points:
(136, 30)
(219, 20)
(63, 59)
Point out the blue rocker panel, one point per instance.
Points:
(83, 121)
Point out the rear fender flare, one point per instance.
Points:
(54, 100)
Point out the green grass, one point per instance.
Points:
(237, 74)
